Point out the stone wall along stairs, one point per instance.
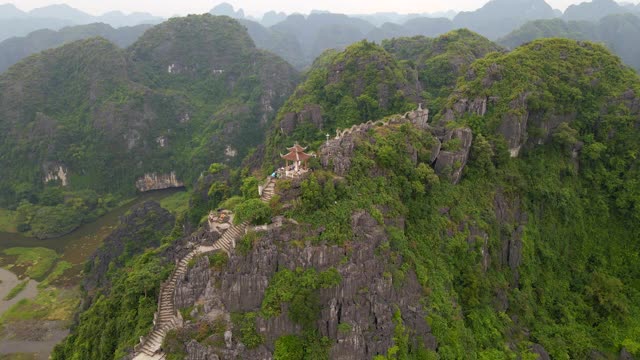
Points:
(168, 317)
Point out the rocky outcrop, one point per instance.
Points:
(451, 162)
(130, 235)
(56, 172)
(187, 283)
(336, 153)
(512, 219)
(540, 351)
(192, 285)
(155, 181)
(625, 355)
(311, 113)
(196, 351)
(449, 152)
(477, 106)
(365, 300)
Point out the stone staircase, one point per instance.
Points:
(168, 317)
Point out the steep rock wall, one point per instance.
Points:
(155, 181)
(366, 298)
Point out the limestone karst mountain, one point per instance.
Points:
(459, 200)
(502, 226)
(190, 91)
(498, 17)
(17, 48)
(16, 23)
(593, 10)
(344, 88)
(615, 31)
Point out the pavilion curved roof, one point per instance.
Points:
(297, 148)
(296, 156)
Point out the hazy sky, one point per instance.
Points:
(257, 7)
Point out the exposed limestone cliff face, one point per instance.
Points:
(155, 181)
(451, 162)
(311, 113)
(510, 214)
(449, 153)
(336, 153)
(56, 172)
(365, 299)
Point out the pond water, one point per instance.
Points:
(75, 248)
(8, 281)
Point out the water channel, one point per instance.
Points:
(75, 248)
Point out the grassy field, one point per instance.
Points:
(33, 262)
(8, 221)
(51, 304)
(176, 203)
(57, 272)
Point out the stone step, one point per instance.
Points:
(148, 352)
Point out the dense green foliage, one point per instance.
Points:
(254, 211)
(401, 350)
(115, 321)
(299, 289)
(575, 288)
(120, 308)
(440, 61)
(536, 249)
(591, 89)
(615, 31)
(56, 212)
(189, 92)
(245, 329)
(361, 83)
(15, 49)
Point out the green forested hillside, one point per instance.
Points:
(15, 49)
(532, 254)
(572, 285)
(190, 92)
(526, 256)
(615, 31)
(344, 88)
(441, 60)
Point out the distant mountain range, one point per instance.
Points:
(596, 10)
(15, 49)
(15, 22)
(618, 32)
(299, 39)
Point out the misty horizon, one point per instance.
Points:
(257, 9)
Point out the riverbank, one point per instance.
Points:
(39, 316)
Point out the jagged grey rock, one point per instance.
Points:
(450, 163)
